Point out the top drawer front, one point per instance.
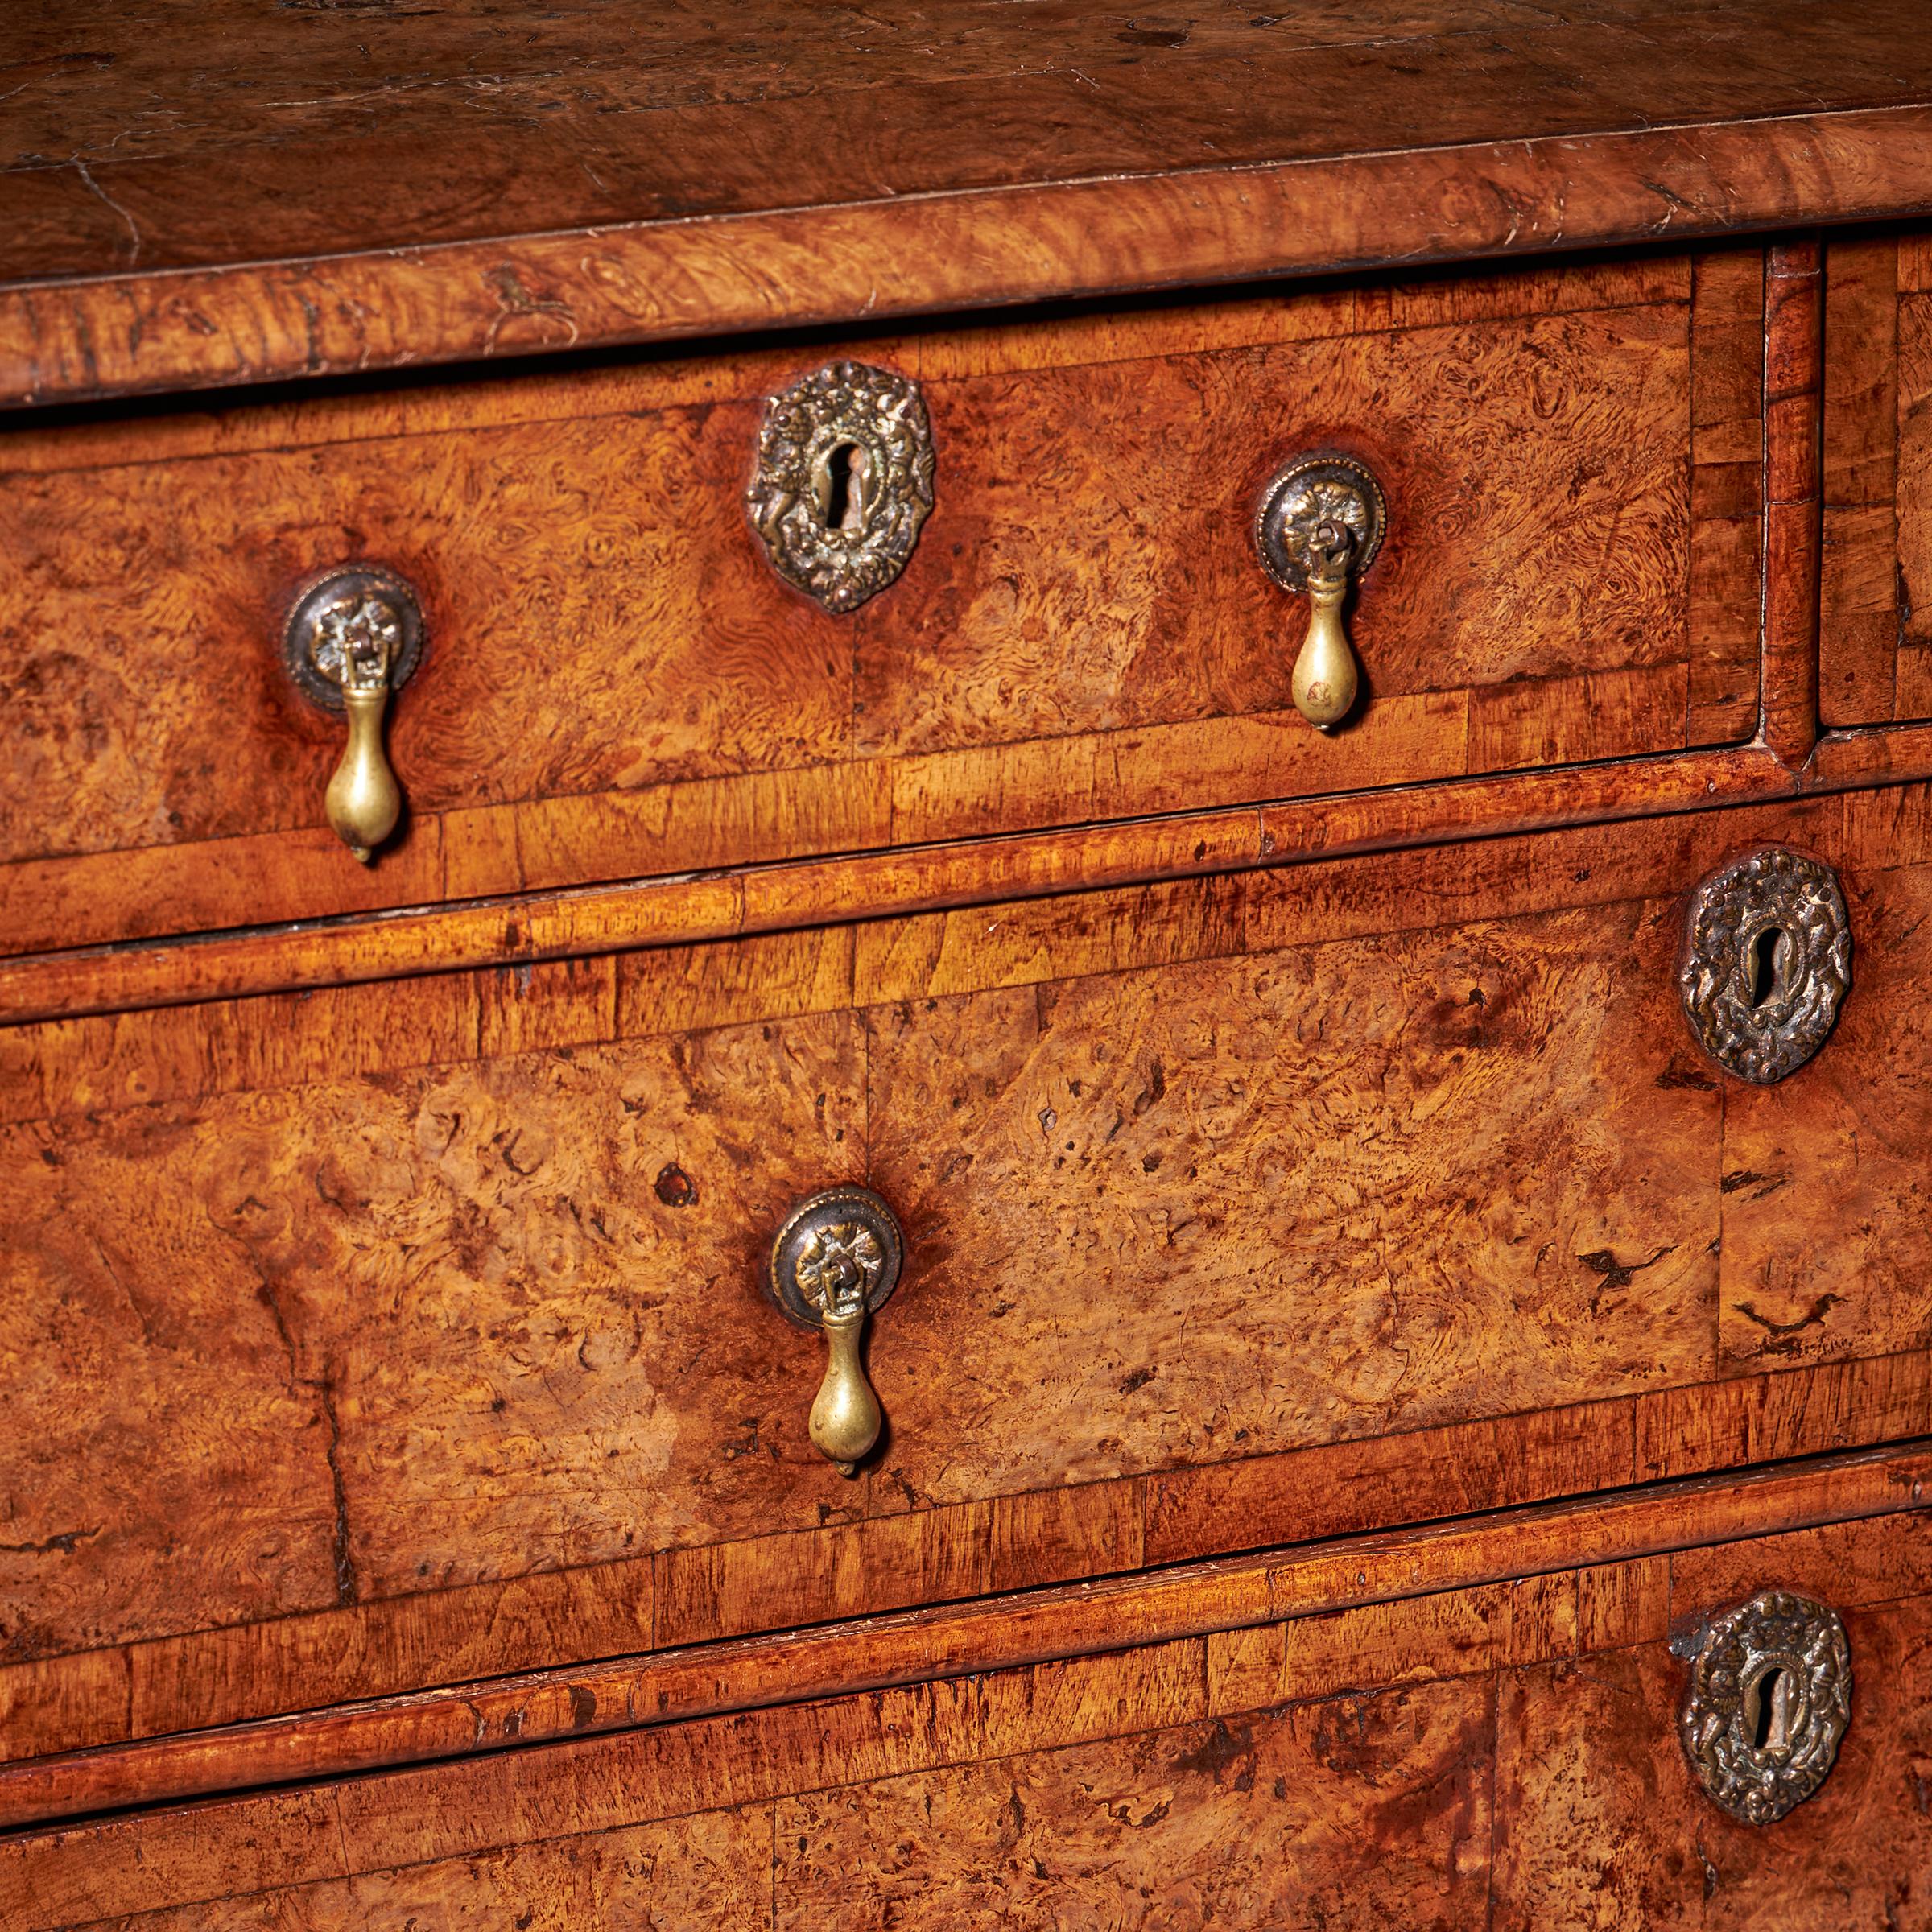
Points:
(617, 683)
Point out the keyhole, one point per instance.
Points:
(1769, 1694)
(845, 475)
(1768, 951)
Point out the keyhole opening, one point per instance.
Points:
(1770, 1719)
(1768, 952)
(845, 481)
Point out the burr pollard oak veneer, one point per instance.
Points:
(966, 963)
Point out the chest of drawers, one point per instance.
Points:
(965, 967)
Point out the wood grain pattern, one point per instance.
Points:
(1912, 695)
(56, 1068)
(212, 1852)
(1249, 1821)
(1466, 1633)
(1350, 1329)
(769, 1582)
(405, 193)
(1323, 1146)
(547, 1359)
(1879, 754)
(734, 108)
(204, 1488)
(1855, 1565)
(1727, 495)
(1229, 1600)
(617, 685)
(711, 1869)
(619, 919)
(527, 1319)
(1169, 1736)
(1669, 1432)
(1365, 1815)
(1858, 620)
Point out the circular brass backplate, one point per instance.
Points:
(874, 424)
(344, 608)
(1770, 1697)
(1311, 491)
(1767, 962)
(843, 1233)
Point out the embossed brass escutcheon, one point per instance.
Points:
(1767, 962)
(836, 1260)
(1770, 1697)
(844, 482)
(1321, 522)
(353, 636)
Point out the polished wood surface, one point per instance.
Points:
(529, 928)
(1824, 1182)
(127, 984)
(57, 1068)
(320, 189)
(848, 1568)
(1559, 1686)
(618, 685)
(1794, 374)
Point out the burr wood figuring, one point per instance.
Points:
(1123, 1116)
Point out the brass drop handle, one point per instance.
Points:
(352, 637)
(364, 800)
(834, 1262)
(1321, 523)
(1324, 683)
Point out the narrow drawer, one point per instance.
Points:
(415, 1331)
(1528, 1751)
(614, 681)
(1875, 639)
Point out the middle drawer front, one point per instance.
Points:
(320, 1307)
(617, 683)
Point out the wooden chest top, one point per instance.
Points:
(334, 185)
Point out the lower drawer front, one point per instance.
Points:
(1504, 1756)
